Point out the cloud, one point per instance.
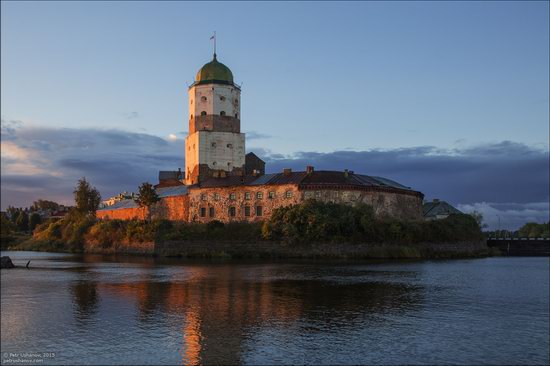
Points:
(40, 162)
(253, 135)
(131, 115)
(509, 215)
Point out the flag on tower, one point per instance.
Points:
(213, 37)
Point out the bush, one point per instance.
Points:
(314, 221)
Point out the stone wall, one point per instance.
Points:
(174, 208)
(138, 213)
(394, 204)
(220, 200)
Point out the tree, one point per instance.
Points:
(34, 220)
(87, 199)
(13, 213)
(478, 216)
(146, 195)
(44, 205)
(22, 221)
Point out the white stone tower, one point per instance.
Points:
(215, 145)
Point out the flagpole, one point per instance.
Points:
(214, 43)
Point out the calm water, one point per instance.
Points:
(102, 310)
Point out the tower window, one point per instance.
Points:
(191, 116)
(236, 102)
(203, 99)
(222, 113)
(213, 144)
(203, 113)
(214, 163)
(222, 98)
(230, 146)
(236, 115)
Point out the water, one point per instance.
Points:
(130, 310)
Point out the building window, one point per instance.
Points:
(271, 195)
(317, 194)
(236, 115)
(232, 196)
(213, 144)
(203, 196)
(191, 116)
(203, 113)
(203, 99)
(247, 195)
(288, 194)
(222, 113)
(222, 98)
(258, 210)
(230, 146)
(236, 102)
(259, 195)
(203, 211)
(214, 163)
(232, 211)
(247, 211)
(211, 211)
(216, 196)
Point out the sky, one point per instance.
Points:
(450, 98)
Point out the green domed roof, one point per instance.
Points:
(214, 71)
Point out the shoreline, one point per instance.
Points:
(202, 249)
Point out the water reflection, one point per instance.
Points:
(219, 306)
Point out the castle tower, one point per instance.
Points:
(215, 145)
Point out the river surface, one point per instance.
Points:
(133, 310)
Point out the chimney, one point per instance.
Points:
(287, 171)
(346, 173)
(309, 169)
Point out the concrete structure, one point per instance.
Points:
(221, 183)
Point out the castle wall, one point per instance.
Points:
(174, 208)
(214, 99)
(220, 200)
(394, 204)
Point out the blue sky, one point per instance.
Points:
(318, 77)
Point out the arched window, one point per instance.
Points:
(203, 99)
(203, 113)
(236, 115)
(191, 116)
(222, 113)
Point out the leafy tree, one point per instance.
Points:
(534, 230)
(6, 226)
(146, 195)
(87, 199)
(22, 221)
(34, 220)
(44, 205)
(13, 213)
(478, 216)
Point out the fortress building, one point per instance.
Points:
(221, 182)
